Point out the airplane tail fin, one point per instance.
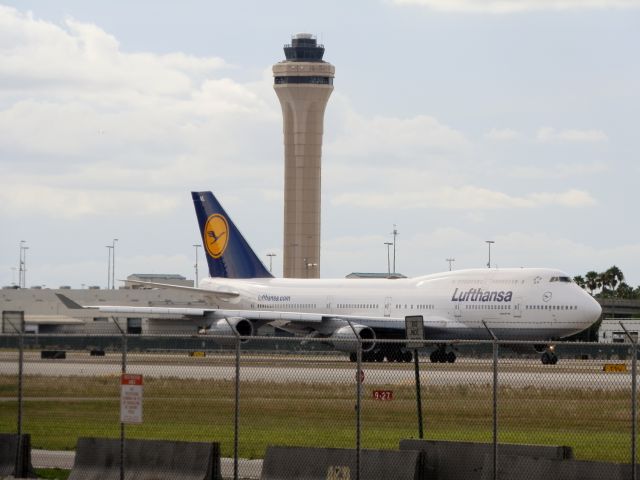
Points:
(228, 253)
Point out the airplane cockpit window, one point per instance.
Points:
(561, 279)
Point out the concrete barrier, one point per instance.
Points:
(455, 460)
(15, 456)
(99, 459)
(284, 463)
(513, 467)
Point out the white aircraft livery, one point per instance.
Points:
(536, 304)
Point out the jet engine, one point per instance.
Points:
(228, 328)
(349, 341)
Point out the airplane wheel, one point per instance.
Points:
(368, 357)
(379, 356)
(353, 357)
(451, 357)
(407, 356)
(546, 358)
(434, 356)
(554, 359)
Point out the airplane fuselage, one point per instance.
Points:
(516, 303)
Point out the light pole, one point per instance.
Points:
(109, 248)
(22, 278)
(113, 268)
(489, 242)
(450, 260)
(388, 244)
(395, 234)
(24, 266)
(196, 246)
(271, 255)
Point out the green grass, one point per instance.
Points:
(59, 410)
(53, 473)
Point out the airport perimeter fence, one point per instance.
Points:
(247, 399)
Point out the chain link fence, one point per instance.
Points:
(248, 394)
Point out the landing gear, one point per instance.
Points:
(549, 358)
(393, 353)
(442, 356)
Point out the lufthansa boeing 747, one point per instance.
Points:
(535, 304)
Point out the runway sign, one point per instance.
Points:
(383, 394)
(614, 367)
(130, 398)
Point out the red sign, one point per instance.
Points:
(383, 394)
(131, 379)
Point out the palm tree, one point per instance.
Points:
(615, 276)
(580, 281)
(624, 290)
(592, 281)
(606, 281)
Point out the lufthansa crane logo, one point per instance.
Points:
(216, 235)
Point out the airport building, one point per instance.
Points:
(303, 83)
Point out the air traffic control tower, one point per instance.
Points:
(303, 83)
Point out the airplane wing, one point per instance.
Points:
(222, 294)
(295, 322)
(218, 313)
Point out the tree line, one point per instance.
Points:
(607, 284)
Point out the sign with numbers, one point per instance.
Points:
(383, 394)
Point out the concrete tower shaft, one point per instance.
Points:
(303, 83)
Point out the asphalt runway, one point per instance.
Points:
(568, 374)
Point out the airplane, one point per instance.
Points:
(534, 304)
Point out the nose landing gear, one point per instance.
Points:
(549, 358)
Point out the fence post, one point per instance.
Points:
(495, 401)
(359, 375)
(7, 319)
(236, 415)
(418, 395)
(634, 400)
(123, 370)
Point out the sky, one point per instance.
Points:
(457, 121)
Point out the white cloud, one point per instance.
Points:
(395, 137)
(53, 202)
(83, 124)
(514, 6)
(559, 170)
(548, 134)
(502, 134)
(466, 198)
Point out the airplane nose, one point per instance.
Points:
(594, 309)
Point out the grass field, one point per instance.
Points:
(58, 410)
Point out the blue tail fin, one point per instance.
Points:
(228, 253)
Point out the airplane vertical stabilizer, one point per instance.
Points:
(228, 253)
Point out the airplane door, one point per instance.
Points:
(387, 306)
(330, 304)
(517, 308)
(457, 313)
